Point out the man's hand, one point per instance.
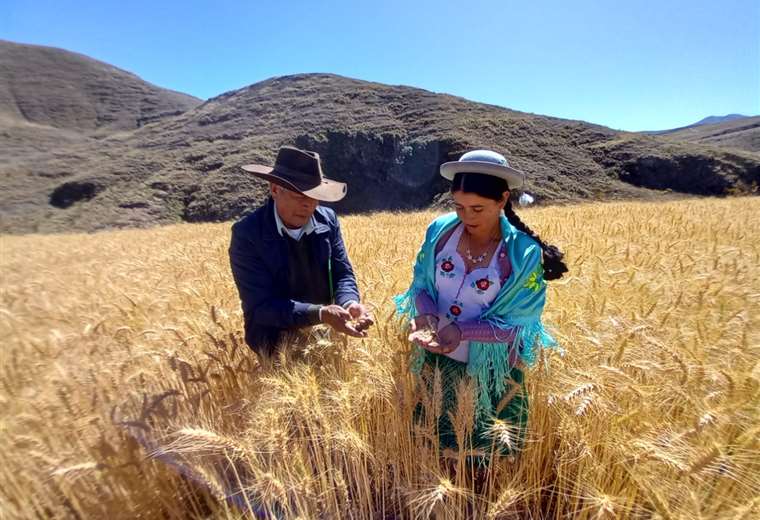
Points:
(340, 320)
(362, 318)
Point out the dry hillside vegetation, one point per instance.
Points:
(53, 88)
(740, 133)
(126, 389)
(90, 147)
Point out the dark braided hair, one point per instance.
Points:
(491, 187)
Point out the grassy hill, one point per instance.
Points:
(740, 133)
(385, 141)
(62, 89)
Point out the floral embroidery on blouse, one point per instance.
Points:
(447, 266)
(481, 285)
(455, 310)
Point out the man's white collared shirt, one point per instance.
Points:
(297, 233)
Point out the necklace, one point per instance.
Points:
(478, 259)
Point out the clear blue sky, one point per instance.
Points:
(637, 65)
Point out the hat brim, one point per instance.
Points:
(515, 178)
(327, 191)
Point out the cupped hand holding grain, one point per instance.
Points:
(340, 319)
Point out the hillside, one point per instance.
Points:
(710, 120)
(734, 132)
(385, 141)
(62, 89)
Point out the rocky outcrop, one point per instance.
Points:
(690, 174)
(696, 170)
(70, 193)
(383, 171)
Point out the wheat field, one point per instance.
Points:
(127, 391)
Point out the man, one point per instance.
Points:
(288, 258)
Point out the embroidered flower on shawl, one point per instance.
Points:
(536, 280)
(455, 310)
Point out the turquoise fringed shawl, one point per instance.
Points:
(518, 305)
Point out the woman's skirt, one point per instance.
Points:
(502, 431)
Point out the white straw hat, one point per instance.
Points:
(487, 163)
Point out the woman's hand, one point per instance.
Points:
(449, 338)
(444, 341)
(424, 321)
(425, 338)
(424, 331)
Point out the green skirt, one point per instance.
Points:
(503, 431)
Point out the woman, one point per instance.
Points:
(476, 300)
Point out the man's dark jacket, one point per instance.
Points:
(259, 261)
